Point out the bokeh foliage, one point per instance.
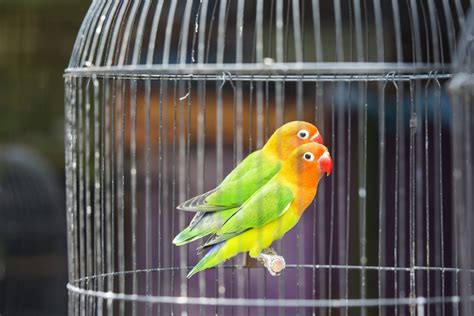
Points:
(36, 38)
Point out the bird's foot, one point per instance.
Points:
(272, 261)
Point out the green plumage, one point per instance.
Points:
(251, 174)
(215, 207)
(202, 225)
(266, 204)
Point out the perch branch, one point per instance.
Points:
(272, 261)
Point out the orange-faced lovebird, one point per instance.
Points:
(215, 206)
(272, 210)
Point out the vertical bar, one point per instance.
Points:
(140, 33)
(199, 33)
(106, 37)
(321, 196)
(121, 191)
(399, 223)
(103, 181)
(279, 31)
(133, 186)
(381, 166)
(381, 193)
(251, 93)
(169, 31)
(126, 33)
(87, 191)
(108, 105)
(202, 31)
(112, 48)
(412, 195)
(321, 206)
(161, 203)
(449, 27)
(184, 146)
(188, 171)
(173, 186)
(349, 185)
(75, 105)
(427, 203)
(201, 133)
(166, 229)
(339, 34)
(239, 31)
(239, 92)
(332, 199)
(182, 183)
(113, 182)
(97, 187)
(396, 192)
(317, 31)
(81, 37)
(299, 57)
(185, 33)
(220, 285)
(153, 33)
(91, 35)
(259, 32)
(438, 187)
(348, 195)
(221, 31)
(362, 190)
(279, 55)
(340, 145)
(98, 33)
(299, 116)
(69, 183)
(361, 154)
(339, 149)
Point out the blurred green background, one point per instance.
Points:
(36, 39)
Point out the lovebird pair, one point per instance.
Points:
(261, 199)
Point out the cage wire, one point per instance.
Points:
(164, 98)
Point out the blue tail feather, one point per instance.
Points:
(203, 263)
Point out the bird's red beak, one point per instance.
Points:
(317, 138)
(325, 163)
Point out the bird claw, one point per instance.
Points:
(274, 263)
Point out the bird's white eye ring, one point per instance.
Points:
(308, 156)
(303, 134)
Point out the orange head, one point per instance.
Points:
(307, 164)
(290, 136)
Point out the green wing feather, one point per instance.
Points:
(238, 191)
(203, 224)
(251, 174)
(266, 205)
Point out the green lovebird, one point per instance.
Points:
(272, 210)
(217, 205)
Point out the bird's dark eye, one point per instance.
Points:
(308, 157)
(303, 134)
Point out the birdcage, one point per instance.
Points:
(164, 98)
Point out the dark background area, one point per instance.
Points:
(36, 38)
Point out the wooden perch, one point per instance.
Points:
(269, 259)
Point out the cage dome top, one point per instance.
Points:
(157, 37)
